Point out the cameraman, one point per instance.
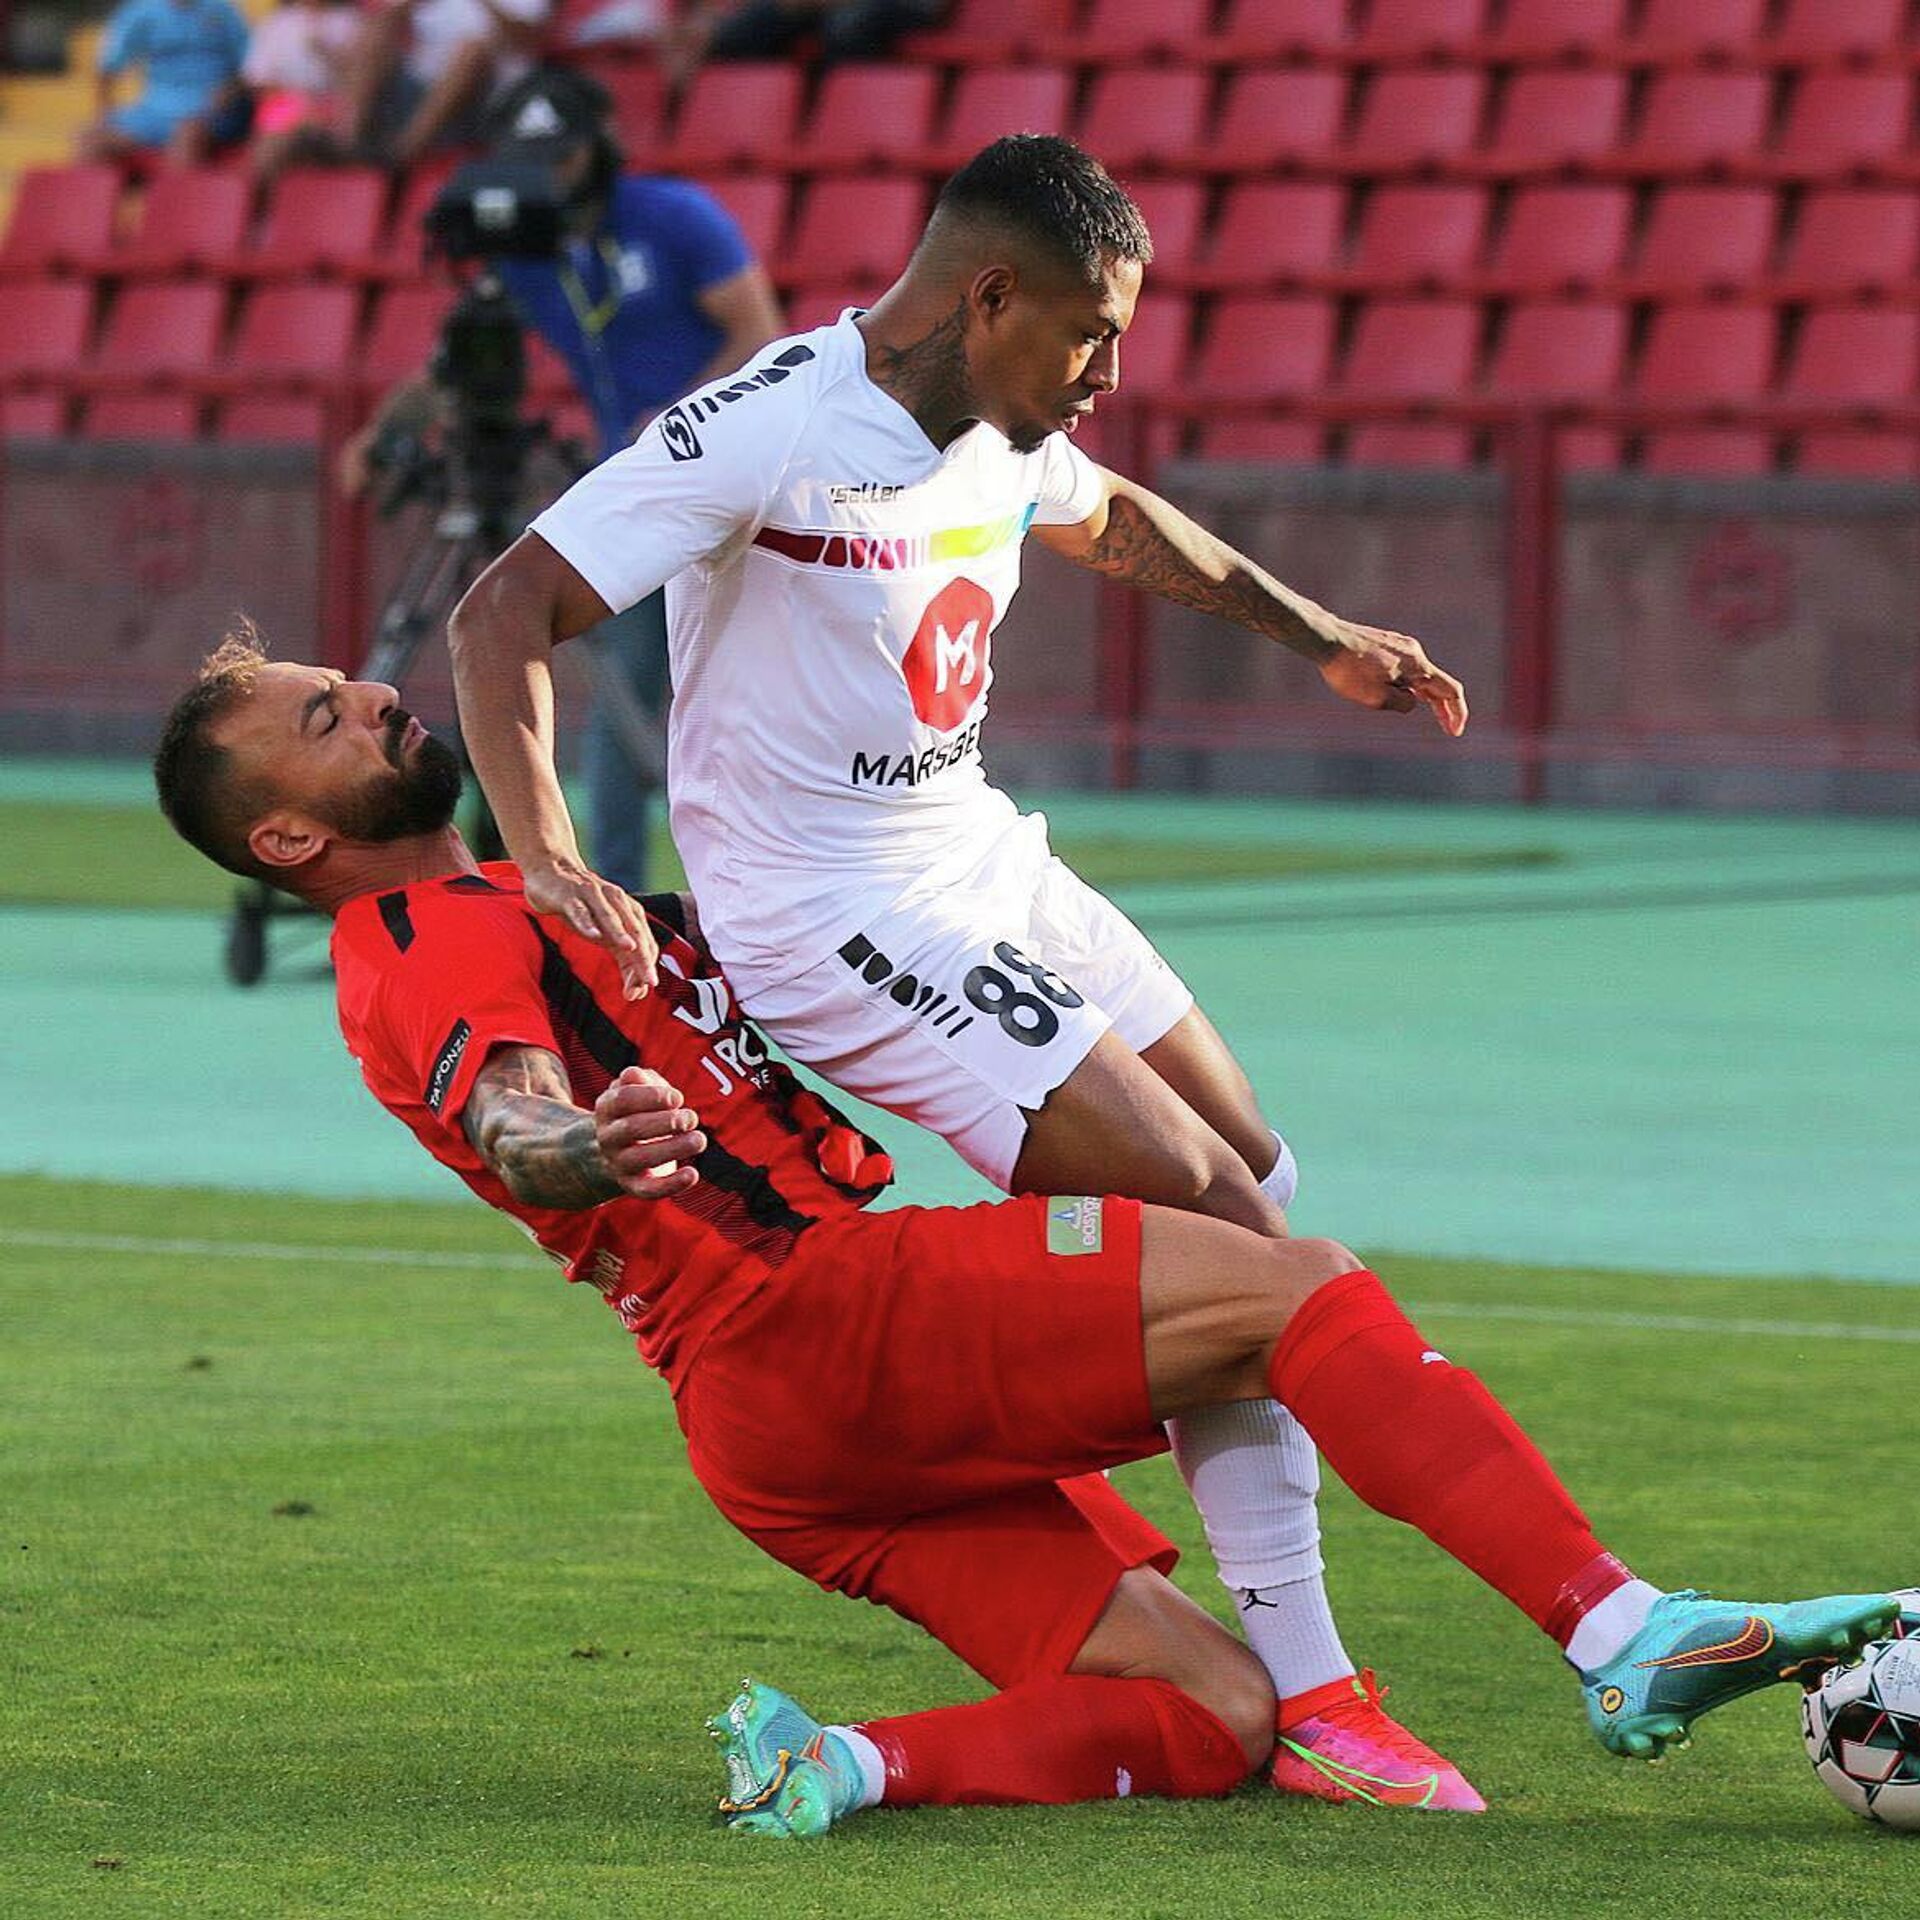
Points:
(653, 292)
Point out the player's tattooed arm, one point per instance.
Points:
(1138, 537)
(639, 1137)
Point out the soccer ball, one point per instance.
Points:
(1862, 1725)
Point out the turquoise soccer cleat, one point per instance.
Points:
(1696, 1653)
(786, 1775)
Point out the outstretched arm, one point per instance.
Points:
(1136, 536)
(640, 1137)
(501, 638)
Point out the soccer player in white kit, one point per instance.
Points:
(839, 527)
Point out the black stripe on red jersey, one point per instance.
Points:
(471, 883)
(670, 909)
(397, 920)
(737, 1200)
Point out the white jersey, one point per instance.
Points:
(835, 583)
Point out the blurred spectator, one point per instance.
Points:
(772, 29)
(654, 291)
(424, 72)
(295, 61)
(191, 97)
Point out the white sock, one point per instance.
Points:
(1254, 1474)
(1605, 1629)
(1283, 1182)
(866, 1756)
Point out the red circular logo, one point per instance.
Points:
(946, 664)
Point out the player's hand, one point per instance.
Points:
(648, 1135)
(599, 910)
(1375, 668)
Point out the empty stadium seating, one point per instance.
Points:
(1676, 201)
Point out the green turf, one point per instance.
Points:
(377, 1590)
(66, 852)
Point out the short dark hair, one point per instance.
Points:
(1055, 193)
(209, 803)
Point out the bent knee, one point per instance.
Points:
(1304, 1266)
(1238, 1693)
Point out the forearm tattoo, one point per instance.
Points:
(1150, 543)
(523, 1123)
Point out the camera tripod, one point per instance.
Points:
(474, 488)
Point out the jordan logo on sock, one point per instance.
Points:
(1251, 1597)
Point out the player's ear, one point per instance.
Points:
(991, 290)
(286, 840)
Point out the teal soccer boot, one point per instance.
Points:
(1696, 1653)
(786, 1775)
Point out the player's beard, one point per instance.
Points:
(419, 797)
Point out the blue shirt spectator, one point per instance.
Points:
(624, 310)
(189, 53)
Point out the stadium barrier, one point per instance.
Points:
(1624, 635)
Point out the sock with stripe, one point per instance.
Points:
(1422, 1441)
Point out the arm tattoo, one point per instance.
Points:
(523, 1123)
(1150, 543)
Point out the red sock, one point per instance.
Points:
(1054, 1741)
(1423, 1441)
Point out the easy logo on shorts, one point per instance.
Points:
(1075, 1225)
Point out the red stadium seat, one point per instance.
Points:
(1111, 32)
(1812, 30)
(1561, 239)
(1564, 349)
(157, 328)
(1555, 29)
(737, 115)
(758, 201)
(855, 231)
(1155, 357)
(1700, 29)
(978, 31)
(44, 328)
(1255, 30)
(1418, 238)
(1706, 354)
(1702, 240)
(1415, 118)
(1840, 124)
(1262, 347)
(1412, 350)
(1421, 29)
(290, 329)
(821, 306)
(62, 221)
(194, 219)
(1697, 121)
(1551, 118)
(1273, 233)
(1277, 117)
(406, 323)
(991, 101)
(639, 94)
(320, 220)
(1849, 241)
(403, 254)
(1175, 212)
(1858, 356)
(869, 116)
(1144, 116)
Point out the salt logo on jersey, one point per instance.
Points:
(945, 664)
(677, 423)
(676, 430)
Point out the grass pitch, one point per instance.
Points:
(347, 1585)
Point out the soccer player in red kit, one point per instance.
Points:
(876, 1399)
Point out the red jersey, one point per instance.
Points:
(431, 978)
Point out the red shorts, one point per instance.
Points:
(906, 1411)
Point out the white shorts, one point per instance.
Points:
(961, 1009)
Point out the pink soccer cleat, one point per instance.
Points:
(1337, 1743)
